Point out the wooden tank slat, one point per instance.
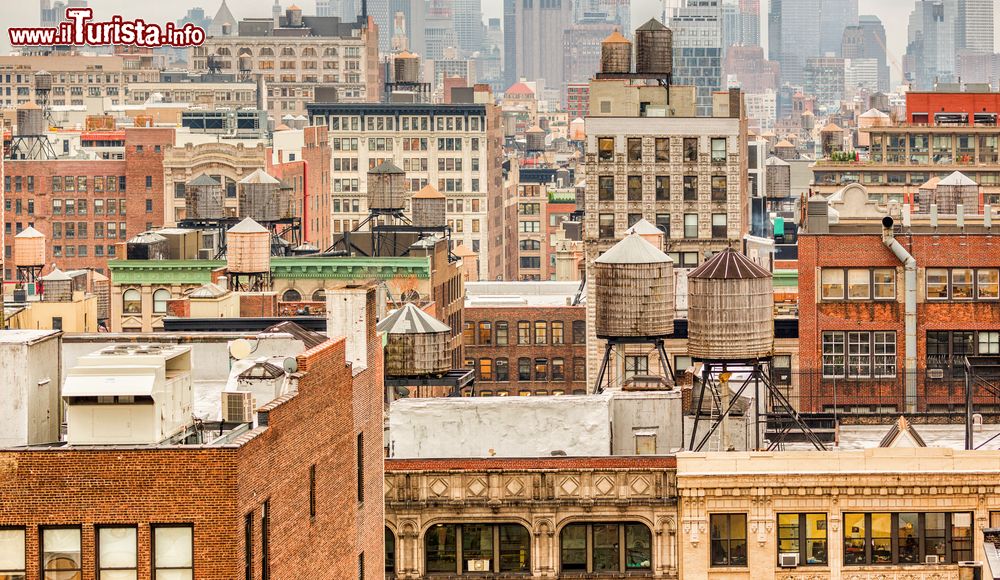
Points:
(634, 299)
(414, 355)
(29, 251)
(730, 318)
(248, 253)
(429, 212)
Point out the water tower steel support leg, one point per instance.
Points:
(718, 422)
(756, 405)
(668, 369)
(705, 373)
(598, 386)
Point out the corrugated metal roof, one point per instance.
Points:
(147, 238)
(247, 226)
(204, 179)
(309, 338)
(387, 166)
(729, 265)
(258, 176)
(411, 320)
(633, 250)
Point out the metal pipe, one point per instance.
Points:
(910, 310)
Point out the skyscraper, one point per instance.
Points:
(468, 18)
(750, 22)
(807, 29)
(975, 26)
(774, 31)
(533, 40)
(414, 19)
(347, 10)
(697, 31)
(835, 16)
(379, 10)
(732, 30)
(930, 54)
(867, 41)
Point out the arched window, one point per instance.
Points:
(330, 51)
(500, 547)
(266, 51)
(288, 51)
(291, 296)
(160, 298)
(223, 51)
(319, 295)
(309, 51)
(601, 547)
(131, 301)
(390, 552)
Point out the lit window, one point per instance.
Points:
(173, 553)
(832, 281)
(729, 539)
(131, 301)
(937, 283)
(804, 535)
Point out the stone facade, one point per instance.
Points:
(225, 161)
(543, 495)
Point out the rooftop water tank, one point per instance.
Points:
(634, 290)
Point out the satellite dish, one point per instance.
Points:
(290, 365)
(240, 348)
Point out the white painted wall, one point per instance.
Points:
(346, 313)
(29, 386)
(657, 412)
(578, 425)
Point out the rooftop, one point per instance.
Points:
(514, 294)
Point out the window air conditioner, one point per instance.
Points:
(237, 406)
(935, 373)
(932, 559)
(788, 560)
(478, 565)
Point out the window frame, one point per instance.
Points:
(802, 537)
(729, 540)
(589, 568)
(496, 549)
(42, 566)
(23, 570)
(952, 554)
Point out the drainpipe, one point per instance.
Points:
(910, 309)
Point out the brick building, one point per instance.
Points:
(852, 332)
(540, 211)
(85, 207)
(74, 78)
(297, 494)
(309, 179)
(525, 338)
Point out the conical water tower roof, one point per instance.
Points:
(411, 320)
(30, 232)
(259, 176)
(428, 192)
(247, 226)
(387, 166)
(615, 38)
(651, 24)
(957, 178)
(729, 265)
(643, 228)
(633, 250)
(203, 179)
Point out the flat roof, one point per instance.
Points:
(26, 336)
(514, 294)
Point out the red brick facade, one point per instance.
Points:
(309, 178)
(36, 195)
(540, 349)
(924, 105)
(865, 251)
(213, 488)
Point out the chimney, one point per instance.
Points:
(347, 316)
(934, 215)
(987, 216)
(960, 216)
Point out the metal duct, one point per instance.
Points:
(910, 310)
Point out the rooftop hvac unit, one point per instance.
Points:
(478, 565)
(237, 407)
(788, 560)
(932, 559)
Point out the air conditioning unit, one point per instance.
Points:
(935, 374)
(478, 565)
(788, 560)
(932, 559)
(237, 406)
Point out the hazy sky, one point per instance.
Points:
(893, 13)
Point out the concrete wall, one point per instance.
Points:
(500, 426)
(29, 387)
(656, 413)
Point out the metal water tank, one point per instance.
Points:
(245, 61)
(29, 248)
(57, 286)
(654, 49)
(261, 197)
(386, 187)
(730, 309)
(535, 139)
(957, 189)
(203, 197)
(146, 246)
(43, 80)
(616, 54)
(248, 248)
(428, 207)
(416, 343)
(634, 284)
(778, 178)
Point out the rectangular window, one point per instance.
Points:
(719, 188)
(485, 333)
(884, 362)
(523, 333)
(524, 369)
(961, 284)
(690, 225)
(634, 149)
(605, 188)
(728, 540)
(541, 369)
(859, 355)
(265, 540)
(989, 342)
(907, 538)
(662, 188)
(884, 283)
(662, 149)
(832, 284)
(858, 285)
(541, 332)
(558, 369)
(557, 332)
(804, 535)
(502, 369)
(502, 333)
(719, 230)
(173, 552)
(248, 546)
(635, 188)
(605, 148)
(606, 225)
(60, 548)
(690, 188)
(690, 149)
(987, 284)
(12, 554)
(833, 354)
(937, 283)
(312, 491)
(636, 365)
(718, 150)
